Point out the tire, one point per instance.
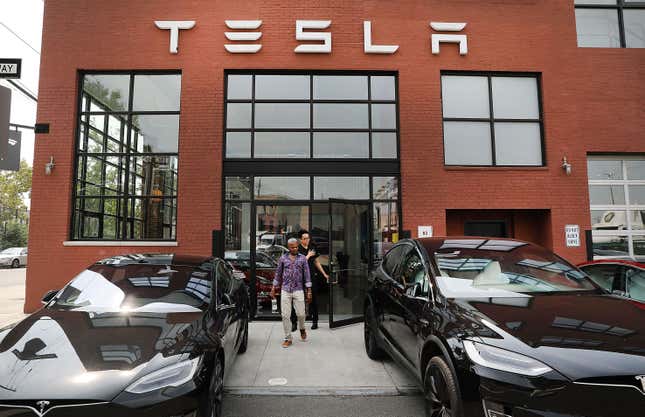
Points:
(372, 348)
(245, 337)
(212, 403)
(15, 263)
(441, 390)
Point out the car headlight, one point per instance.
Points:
(170, 376)
(504, 360)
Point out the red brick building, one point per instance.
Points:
(469, 139)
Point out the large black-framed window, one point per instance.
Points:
(126, 169)
(324, 115)
(610, 23)
(492, 119)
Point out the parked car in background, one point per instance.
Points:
(265, 267)
(501, 328)
(13, 257)
(618, 276)
(135, 335)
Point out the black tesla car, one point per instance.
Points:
(135, 335)
(504, 328)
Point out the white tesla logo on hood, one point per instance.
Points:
(641, 378)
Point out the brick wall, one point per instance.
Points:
(592, 101)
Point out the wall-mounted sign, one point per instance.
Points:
(11, 162)
(5, 112)
(572, 235)
(246, 36)
(10, 68)
(424, 231)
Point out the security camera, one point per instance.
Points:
(566, 166)
(49, 166)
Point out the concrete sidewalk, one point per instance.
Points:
(330, 362)
(12, 295)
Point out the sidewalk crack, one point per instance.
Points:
(266, 346)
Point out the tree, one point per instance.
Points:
(13, 211)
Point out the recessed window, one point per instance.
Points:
(617, 199)
(491, 120)
(610, 23)
(311, 116)
(126, 157)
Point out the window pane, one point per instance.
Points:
(340, 87)
(341, 187)
(238, 115)
(237, 226)
(518, 144)
(282, 115)
(113, 91)
(239, 87)
(383, 88)
(465, 96)
(97, 121)
(282, 144)
(157, 92)
(515, 98)
(94, 141)
(598, 169)
(610, 245)
(385, 188)
(281, 188)
(114, 184)
(115, 128)
(156, 133)
(90, 227)
(153, 176)
(340, 116)
(637, 218)
(386, 228)
(606, 194)
(635, 169)
(383, 116)
(158, 218)
(608, 220)
(634, 28)
(467, 143)
(383, 145)
(238, 144)
(639, 247)
(595, 1)
(341, 145)
(597, 28)
(238, 188)
(282, 87)
(637, 194)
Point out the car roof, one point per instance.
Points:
(155, 259)
(613, 261)
(433, 244)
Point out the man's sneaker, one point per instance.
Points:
(303, 334)
(286, 343)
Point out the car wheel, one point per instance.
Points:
(245, 337)
(372, 348)
(215, 395)
(15, 263)
(440, 390)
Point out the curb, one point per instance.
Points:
(324, 391)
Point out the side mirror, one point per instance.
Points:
(49, 295)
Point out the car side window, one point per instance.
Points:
(224, 282)
(604, 275)
(393, 261)
(413, 275)
(635, 283)
(23, 252)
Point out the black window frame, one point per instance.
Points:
(620, 7)
(125, 201)
(491, 120)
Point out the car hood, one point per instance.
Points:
(579, 335)
(56, 354)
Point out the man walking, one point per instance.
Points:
(308, 248)
(291, 274)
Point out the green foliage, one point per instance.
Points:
(13, 186)
(111, 98)
(14, 235)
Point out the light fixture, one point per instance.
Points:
(49, 166)
(566, 165)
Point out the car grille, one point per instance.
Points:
(626, 381)
(31, 408)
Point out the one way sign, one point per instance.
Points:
(10, 68)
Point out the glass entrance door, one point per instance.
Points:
(349, 260)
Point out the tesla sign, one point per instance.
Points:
(245, 36)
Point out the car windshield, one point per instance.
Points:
(138, 288)
(10, 251)
(242, 259)
(506, 266)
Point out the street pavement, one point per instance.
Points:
(329, 406)
(12, 295)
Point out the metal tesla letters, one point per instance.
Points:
(244, 31)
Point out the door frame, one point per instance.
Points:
(370, 256)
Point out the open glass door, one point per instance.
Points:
(349, 255)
